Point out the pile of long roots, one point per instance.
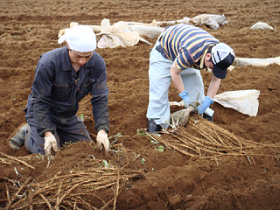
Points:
(204, 139)
(95, 186)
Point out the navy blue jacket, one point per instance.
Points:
(57, 89)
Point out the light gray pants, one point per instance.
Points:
(160, 80)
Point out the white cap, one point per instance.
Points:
(222, 57)
(80, 38)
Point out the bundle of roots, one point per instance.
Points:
(94, 186)
(205, 139)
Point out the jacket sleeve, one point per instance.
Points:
(41, 91)
(99, 100)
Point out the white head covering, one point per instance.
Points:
(80, 38)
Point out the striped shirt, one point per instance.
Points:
(186, 45)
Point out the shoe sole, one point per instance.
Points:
(13, 145)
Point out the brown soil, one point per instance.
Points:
(169, 179)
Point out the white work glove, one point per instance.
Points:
(102, 139)
(50, 144)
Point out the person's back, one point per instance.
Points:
(180, 51)
(185, 44)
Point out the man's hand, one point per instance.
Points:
(102, 139)
(184, 95)
(50, 144)
(205, 104)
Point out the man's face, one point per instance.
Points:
(208, 62)
(79, 58)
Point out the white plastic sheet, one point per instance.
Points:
(244, 101)
(211, 20)
(261, 25)
(119, 34)
(130, 33)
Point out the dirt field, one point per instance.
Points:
(145, 177)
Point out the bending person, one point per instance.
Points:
(178, 55)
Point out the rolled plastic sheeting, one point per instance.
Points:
(256, 61)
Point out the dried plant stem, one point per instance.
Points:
(7, 192)
(60, 200)
(3, 161)
(80, 201)
(18, 191)
(205, 139)
(15, 159)
(7, 179)
(72, 191)
(117, 192)
(208, 126)
(175, 147)
(47, 202)
(206, 135)
(18, 204)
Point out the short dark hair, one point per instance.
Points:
(210, 49)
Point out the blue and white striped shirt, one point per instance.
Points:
(186, 44)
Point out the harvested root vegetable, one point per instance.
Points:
(180, 118)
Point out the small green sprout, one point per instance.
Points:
(160, 148)
(140, 133)
(82, 117)
(105, 164)
(115, 137)
(67, 143)
(154, 142)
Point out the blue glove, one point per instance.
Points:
(205, 104)
(184, 95)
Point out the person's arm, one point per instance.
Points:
(100, 92)
(176, 78)
(213, 87)
(99, 101)
(212, 91)
(41, 91)
(178, 82)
